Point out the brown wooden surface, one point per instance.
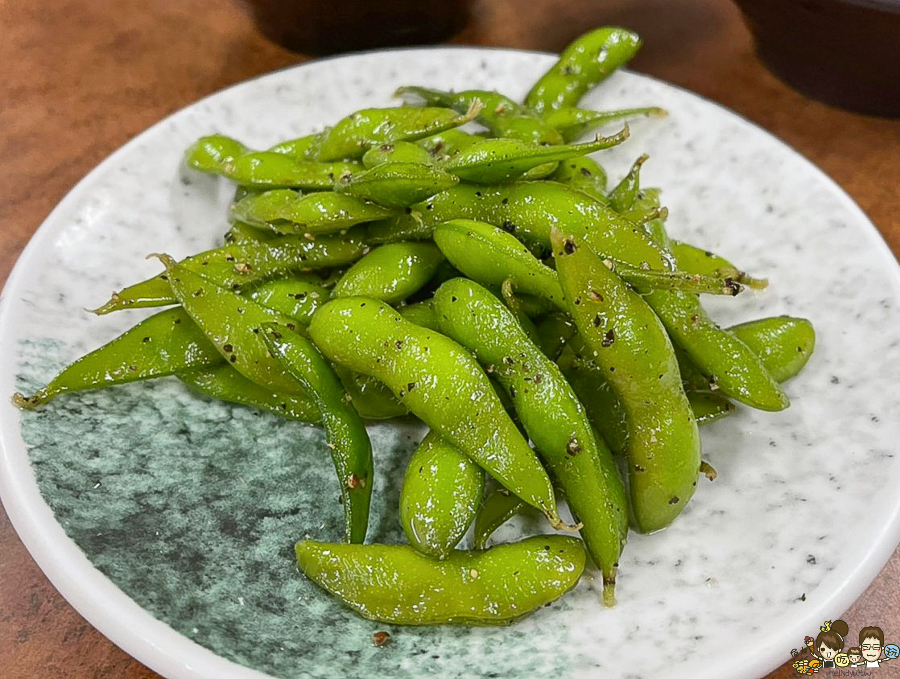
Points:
(78, 78)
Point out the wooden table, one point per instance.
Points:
(82, 77)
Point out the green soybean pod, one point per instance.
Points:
(324, 212)
(709, 406)
(440, 383)
(625, 193)
(502, 116)
(629, 342)
(572, 122)
(397, 184)
(293, 297)
(348, 441)
(441, 492)
(784, 343)
(265, 169)
(222, 382)
(586, 61)
(498, 507)
(371, 399)
(245, 264)
(391, 272)
(490, 256)
(584, 174)
(163, 344)
(396, 584)
(398, 152)
(550, 412)
(492, 161)
(355, 134)
(302, 148)
(420, 313)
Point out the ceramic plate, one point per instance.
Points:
(168, 520)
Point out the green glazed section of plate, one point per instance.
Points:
(192, 508)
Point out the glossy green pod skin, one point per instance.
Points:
(222, 382)
(585, 62)
(397, 184)
(584, 174)
(492, 161)
(625, 193)
(234, 325)
(398, 152)
(629, 343)
(302, 148)
(420, 313)
(163, 344)
(709, 406)
(490, 256)
(390, 272)
(441, 492)
(784, 343)
(325, 212)
(440, 383)
(262, 169)
(498, 507)
(245, 264)
(371, 399)
(355, 134)
(242, 233)
(397, 584)
(573, 122)
(702, 262)
(529, 210)
(348, 441)
(501, 115)
(550, 412)
(295, 297)
(447, 144)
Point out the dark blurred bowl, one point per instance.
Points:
(842, 52)
(323, 27)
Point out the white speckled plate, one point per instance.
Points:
(167, 520)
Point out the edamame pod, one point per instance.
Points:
(398, 152)
(287, 211)
(440, 383)
(234, 326)
(501, 115)
(584, 174)
(489, 255)
(243, 264)
(441, 493)
(163, 344)
(492, 161)
(355, 134)
(572, 122)
(348, 441)
(396, 184)
(262, 169)
(627, 340)
(586, 61)
(396, 584)
(498, 507)
(371, 399)
(390, 272)
(551, 414)
(224, 383)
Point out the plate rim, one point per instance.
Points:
(162, 648)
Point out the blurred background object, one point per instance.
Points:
(317, 27)
(843, 52)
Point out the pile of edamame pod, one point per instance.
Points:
(486, 280)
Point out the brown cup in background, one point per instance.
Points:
(842, 52)
(330, 26)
